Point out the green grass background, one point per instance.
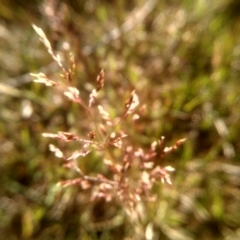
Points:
(183, 59)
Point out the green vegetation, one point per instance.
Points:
(183, 60)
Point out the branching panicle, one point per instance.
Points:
(131, 171)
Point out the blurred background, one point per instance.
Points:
(183, 59)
